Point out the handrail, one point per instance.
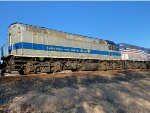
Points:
(4, 50)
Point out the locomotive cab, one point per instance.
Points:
(112, 45)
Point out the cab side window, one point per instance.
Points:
(112, 47)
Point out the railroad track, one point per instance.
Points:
(65, 74)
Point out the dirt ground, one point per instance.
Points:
(77, 92)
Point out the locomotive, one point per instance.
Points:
(33, 49)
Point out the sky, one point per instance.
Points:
(121, 22)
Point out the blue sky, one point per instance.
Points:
(121, 22)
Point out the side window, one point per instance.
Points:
(112, 47)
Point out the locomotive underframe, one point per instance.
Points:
(27, 65)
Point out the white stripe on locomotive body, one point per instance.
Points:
(36, 35)
(56, 54)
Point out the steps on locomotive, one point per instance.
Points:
(17, 64)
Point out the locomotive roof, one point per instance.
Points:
(110, 42)
(58, 31)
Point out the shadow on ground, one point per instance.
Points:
(126, 91)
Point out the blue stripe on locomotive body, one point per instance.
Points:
(25, 45)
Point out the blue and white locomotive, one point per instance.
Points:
(35, 50)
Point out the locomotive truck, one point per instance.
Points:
(33, 49)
